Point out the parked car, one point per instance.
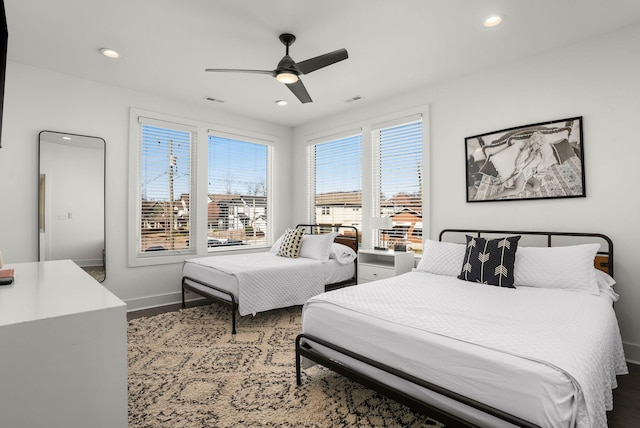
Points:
(155, 248)
(222, 242)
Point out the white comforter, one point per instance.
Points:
(267, 281)
(573, 332)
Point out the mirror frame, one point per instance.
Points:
(41, 192)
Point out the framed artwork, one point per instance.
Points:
(537, 161)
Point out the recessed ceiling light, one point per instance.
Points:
(110, 53)
(352, 99)
(493, 21)
(281, 103)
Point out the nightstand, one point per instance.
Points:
(374, 265)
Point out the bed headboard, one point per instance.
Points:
(603, 260)
(347, 235)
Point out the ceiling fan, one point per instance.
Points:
(288, 71)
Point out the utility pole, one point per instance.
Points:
(172, 164)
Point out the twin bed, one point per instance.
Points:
(257, 282)
(543, 354)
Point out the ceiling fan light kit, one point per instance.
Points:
(288, 71)
(287, 77)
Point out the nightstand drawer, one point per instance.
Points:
(373, 273)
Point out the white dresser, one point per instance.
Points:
(374, 265)
(63, 349)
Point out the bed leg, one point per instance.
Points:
(233, 319)
(183, 303)
(298, 374)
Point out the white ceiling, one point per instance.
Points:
(394, 46)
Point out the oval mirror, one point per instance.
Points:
(71, 200)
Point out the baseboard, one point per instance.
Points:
(632, 352)
(88, 262)
(158, 300)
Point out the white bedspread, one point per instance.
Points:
(267, 281)
(575, 333)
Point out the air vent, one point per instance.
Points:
(213, 100)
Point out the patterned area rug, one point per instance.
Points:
(187, 370)
(97, 272)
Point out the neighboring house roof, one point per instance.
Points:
(404, 200)
(406, 211)
(340, 199)
(218, 203)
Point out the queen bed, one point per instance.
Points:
(258, 282)
(543, 354)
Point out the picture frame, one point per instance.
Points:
(538, 161)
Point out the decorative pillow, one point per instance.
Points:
(490, 261)
(568, 267)
(317, 246)
(276, 245)
(505, 161)
(557, 135)
(488, 168)
(441, 258)
(342, 253)
(493, 148)
(548, 157)
(291, 243)
(563, 151)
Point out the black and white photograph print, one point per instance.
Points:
(538, 161)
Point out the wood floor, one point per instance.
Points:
(626, 398)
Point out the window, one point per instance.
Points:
(164, 183)
(335, 181)
(237, 213)
(397, 181)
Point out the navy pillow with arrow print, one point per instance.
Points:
(490, 261)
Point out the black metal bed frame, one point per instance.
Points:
(232, 299)
(304, 349)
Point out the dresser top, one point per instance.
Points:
(50, 289)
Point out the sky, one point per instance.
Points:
(339, 162)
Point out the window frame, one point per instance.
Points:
(137, 119)
(199, 189)
(253, 138)
(377, 179)
(366, 126)
(311, 169)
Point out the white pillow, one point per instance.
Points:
(342, 253)
(317, 246)
(276, 246)
(605, 284)
(568, 268)
(603, 280)
(441, 258)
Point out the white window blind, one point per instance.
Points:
(165, 186)
(335, 181)
(237, 192)
(397, 182)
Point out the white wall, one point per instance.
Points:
(37, 100)
(597, 80)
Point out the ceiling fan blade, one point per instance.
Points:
(321, 61)
(300, 91)
(236, 70)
